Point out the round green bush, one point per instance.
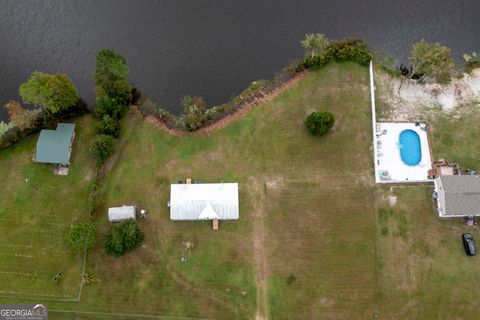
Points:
(122, 238)
(108, 126)
(318, 123)
(103, 147)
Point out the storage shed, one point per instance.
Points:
(118, 214)
(55, 146)
(204, 201)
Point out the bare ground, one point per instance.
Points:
(261, 269)
(406, 99)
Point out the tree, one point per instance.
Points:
(471, 60)
(108, 126)
(111, 81)
(51, 92)
(4, 127)
(318, 123)
(314, 44)
(122, 238)
(107, 106)
(431, 60)
(19, 116)
(83, 236)
(193, 112)
(103, 147)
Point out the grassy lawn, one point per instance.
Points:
(455, 135)
(37, 209)
(422, 270)
(315, 239)
(306, 203)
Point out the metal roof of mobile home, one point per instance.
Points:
(204, 201)
(122, 213)
(462, 195)
(53, 146)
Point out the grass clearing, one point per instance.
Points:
(315, 239)
(423, 270)
(37, 210)
(296, 193)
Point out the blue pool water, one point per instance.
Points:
(410, 148)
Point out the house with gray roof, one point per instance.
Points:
(55, 146)
(458, 196)
(204, 201)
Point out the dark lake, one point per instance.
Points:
(210, 48)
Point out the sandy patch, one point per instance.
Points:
(407, 97)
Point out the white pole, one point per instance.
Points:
(374, 121)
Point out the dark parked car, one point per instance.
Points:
(469, 244)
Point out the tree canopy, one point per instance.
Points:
(122, 238)
(52, 92)
(112, 87)
(319, 123)
(19, 116)
(193, 112)
(431, 60)
(108, 126)
(314, 44)
(83, 235)
(103, 147)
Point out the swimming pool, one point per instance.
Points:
(410, 148)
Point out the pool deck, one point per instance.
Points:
(388, 163)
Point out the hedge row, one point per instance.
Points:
(344, 50)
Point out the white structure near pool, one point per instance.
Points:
(402, 153)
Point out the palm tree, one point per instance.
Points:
(314, 44)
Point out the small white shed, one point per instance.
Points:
(122, 213)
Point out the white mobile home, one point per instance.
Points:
(204, 201)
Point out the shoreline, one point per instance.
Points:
(241, 111)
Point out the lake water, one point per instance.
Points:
(211, 48)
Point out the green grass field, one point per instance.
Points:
(315, 239)
(37, 209)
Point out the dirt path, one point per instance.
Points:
(241, 111)
(259, 252)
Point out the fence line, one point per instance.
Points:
(374, 120)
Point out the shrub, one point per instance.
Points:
(83, 236)
(108, 126)
(4, 127)
(318, 123)
(21, 117)
(345, 50)
(193, 115)
(122, 238)
(103, 147)
(314, 44)
(111, 82)
(107, 106)
(136, 95)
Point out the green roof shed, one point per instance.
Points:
(54, 146)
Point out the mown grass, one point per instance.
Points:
(423, 272)
(333, 247)
(37, 210)
(454, 135)
(314, 194)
